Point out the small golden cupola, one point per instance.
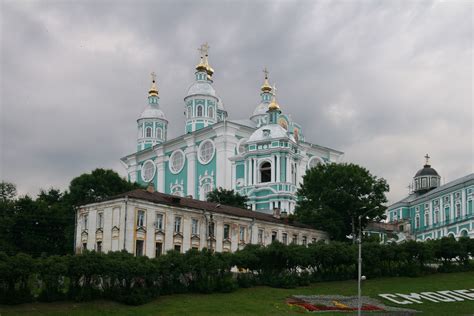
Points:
(153, 92)
(204, 63)
(274, 105)
(266, 87)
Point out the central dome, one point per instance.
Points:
(266, 132)
(152, 112)
(203, 88)
(426, 171)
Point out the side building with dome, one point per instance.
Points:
(432, 210)
(263, 156)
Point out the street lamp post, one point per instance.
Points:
(359, 268)
(359, 265)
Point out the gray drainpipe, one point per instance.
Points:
(125, 224)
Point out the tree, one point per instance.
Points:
(7, 191)
(97, 185)
(227, 197)
(333, 196)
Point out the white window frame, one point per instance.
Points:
(148, 162)
(148, 129)
(100, 219)
(200, 148)
(170, 163)
(141, 220)
(194, 226)
(159, 220)
(177, 224)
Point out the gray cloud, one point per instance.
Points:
(385, 82)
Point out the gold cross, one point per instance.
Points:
(427, 159)
(265, 71)
(153, 76)
(204, 49)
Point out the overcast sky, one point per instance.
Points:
(383, 81)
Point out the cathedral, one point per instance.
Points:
(263, 156)
(432, 210)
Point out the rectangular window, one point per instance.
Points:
(285, 238)
(158, 249)
(177, 248)
(295, 239)
(211, 229)
(194, 226)
(85, 221)
(177, 225)
(260, 236)
(139, 248)
(305, 241)
(100, 220)
(99, 247)
(226, 231)
(458, 210)
(274, 236)
(242, 234)
(469, 206)
(159, 221)
(84, 246)
(141, 218)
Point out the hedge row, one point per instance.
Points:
(133, 280)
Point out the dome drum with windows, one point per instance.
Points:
(427, 178)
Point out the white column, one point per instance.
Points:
(255, 170)
(150, 234)
(288, 170)
(160, 170)
(191, 172)
(278, 168)
(245, 173)
(186, 229)
(273, 174)
(452, 212)
(463, 202)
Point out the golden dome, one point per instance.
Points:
(273, 105)
(201, 66)
(153, 90)
(266, 87)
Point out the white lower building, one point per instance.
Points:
(150, 223)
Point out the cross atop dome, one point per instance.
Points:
(427, 159)
(153, 92)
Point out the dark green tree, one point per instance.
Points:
(227, 197)
(333, 196)
(7, 191)
(97, 185)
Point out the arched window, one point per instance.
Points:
(206, 188)
(417, 221)
(148, 132)
(210, 112)
(159, 133)
(265, 172)
(427, 219)
(199, 110)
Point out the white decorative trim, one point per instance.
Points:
(170, 164)
(177, 187)
(199, 151)
(205, 180)
(321, 161)
(240, 142)
(143, 168)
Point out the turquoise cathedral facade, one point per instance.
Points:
(263, 156)
(432, 210)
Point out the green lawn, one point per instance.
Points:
(265, 300)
